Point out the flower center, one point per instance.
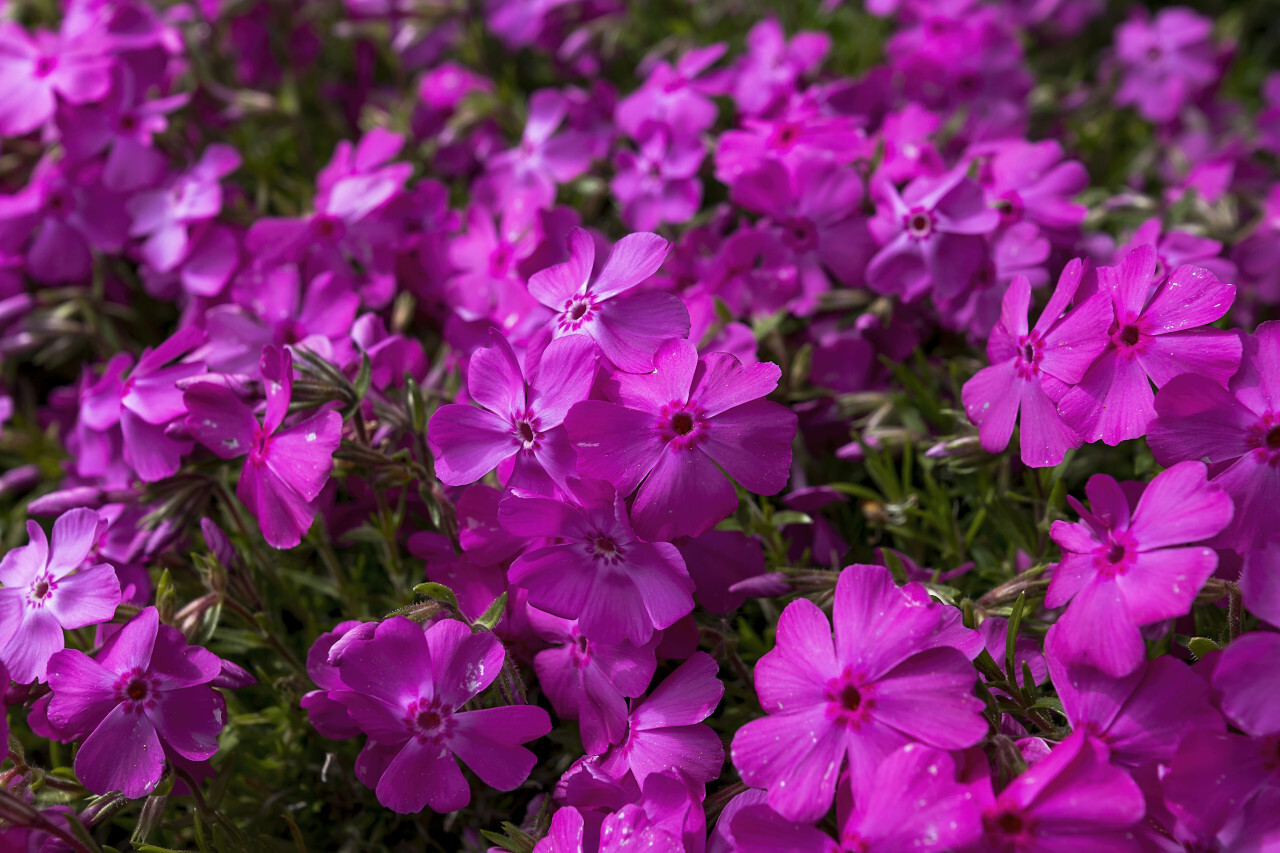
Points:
(850, 698)
(428, 720)
(919, 224)
(800, 235)
(41, 588)
(1273, 438)
(1007, 823)
(1129, 335)
(579, 308)
(604, 549)
(45, 65)
(577, 312)
(682, 423)
(525, 431)
(137, 690)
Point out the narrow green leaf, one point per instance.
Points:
(439, 592)
(490, 617)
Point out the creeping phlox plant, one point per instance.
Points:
(578, 426)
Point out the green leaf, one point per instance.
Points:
(512, 844)
(1201, 646)
(1011, 636)
(439, 592)
(363, 378)
(490, 617)
(790, 516)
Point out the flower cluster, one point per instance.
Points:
(567, 422)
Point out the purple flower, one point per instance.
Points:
(1260, 582)
(35, 72)
(1122, 571)
(1237, 431)
(587, 680)
(48, 590)
(1028, 181)
(1167, 61)
(672, 96)
(665, 731)
(669, 430)
(406, 689)
(891, 677)
(628, 327)
(1141, 717)
(1215, 773)
(543, 160)
(913, 803)
(521, 420)
(1027, 365)
(165, 216)
(817, 208)
(145, 403)
(1156, 336)
(617, 587)
(286, 468)
(1073, 799)
(144, 695)
(659, 183)
(931, 235)
(771, 69)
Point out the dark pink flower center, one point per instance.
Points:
(500, 260)
(849, 699)
(41, 590)
(785, 136)
(136, 691)
(919, 223)
(682, 425)
(1006, 823)
(1272, 439)
(1114, 558)
(577, 312)
(1130, 335)
(128, 122)
(1030, 354)
(45, 65)
(800, 235)
(329, 227)
(525, 431)
(604, 549)
(1010, 207)
(427, 720)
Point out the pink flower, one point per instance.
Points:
(1156, 336)
(406, 689)
(618, 587)
(144, 695)
(521, 420)
(286, 468)
(35, 72)
(932, 236)
(145, 403)
(669, 430)
(587, 680)
(665, 731)
(1122, 571)
(1167, 62)
(1028, 365)
(1073, 799)
(1236, 430)
(892, 676)
(47, 589)
(627, 327)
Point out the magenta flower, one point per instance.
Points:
(521, 420)
(1141, 717)
(1155, 337)
(885, 682)
(1260, 583)
(144, 695)
(932, 236)
(1167, 62)
(913, 803)
(166, 216)
(406, 689)
(673, 96)
(667, 432)
(1027, 364)
(617, 587)
(1122, 571)
(35, 72)
(48, 590)
(587, 680)
(286, 468)
(144, 403)
(665, 728)
(1029, 181)
(659, 182)
(543, 160)
(1237, 431)
(1214, 772)
(1073, 799)
(628, 328)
